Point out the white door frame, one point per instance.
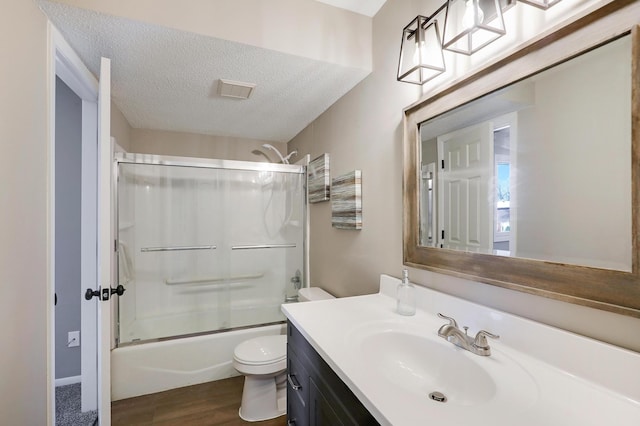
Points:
(64, 63)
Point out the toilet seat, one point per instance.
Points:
(261, 355)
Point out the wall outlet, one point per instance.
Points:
(73, 339)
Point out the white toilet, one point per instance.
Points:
(263, 362)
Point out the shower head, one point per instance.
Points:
(285, 160)
(291, 154)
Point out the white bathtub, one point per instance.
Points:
(158, 366)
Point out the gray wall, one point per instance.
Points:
(162, 142)
(67, 258)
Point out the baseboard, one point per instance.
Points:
(68, 380)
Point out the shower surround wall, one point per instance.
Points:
(206, 248)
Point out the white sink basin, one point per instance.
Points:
(420, 364)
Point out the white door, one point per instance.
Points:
(88, 255)
(105, 242)
(465, 199)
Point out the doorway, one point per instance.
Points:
(73, 236)
(68, 178)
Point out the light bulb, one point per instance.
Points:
(472, 14)
(420, 53)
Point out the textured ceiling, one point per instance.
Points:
(167, 79)
(364, 7)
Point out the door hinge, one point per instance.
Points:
(442, 234)
(115, 246)
(442, 164)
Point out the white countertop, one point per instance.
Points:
(543, 375)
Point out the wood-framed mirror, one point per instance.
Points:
(606, 274)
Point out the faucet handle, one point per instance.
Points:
(452, 322)
(480, 340)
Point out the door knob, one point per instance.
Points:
(89, 294)
(118, 290)
(105, 292)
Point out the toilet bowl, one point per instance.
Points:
(263, 362)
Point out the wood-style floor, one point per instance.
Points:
(208, 404)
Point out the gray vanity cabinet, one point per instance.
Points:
(315, 394)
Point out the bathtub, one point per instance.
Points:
(158, 366)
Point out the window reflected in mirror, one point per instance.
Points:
(502, 191)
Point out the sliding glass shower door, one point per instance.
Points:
(206, 245)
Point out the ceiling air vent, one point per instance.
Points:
(235, 89)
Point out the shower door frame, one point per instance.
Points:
(206, 163)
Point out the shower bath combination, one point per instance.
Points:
(204, 246)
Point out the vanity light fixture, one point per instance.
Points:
(541, 4)
(470, 25)
(421, 56)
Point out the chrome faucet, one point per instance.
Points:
(477, 345)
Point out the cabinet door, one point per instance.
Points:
(297, 414)
(297, 390)
(323, 409)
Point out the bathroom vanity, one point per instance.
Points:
(355, 361)
(315, 394)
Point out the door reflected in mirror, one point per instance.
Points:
(539, 170)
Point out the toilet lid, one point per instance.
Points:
(262, 350)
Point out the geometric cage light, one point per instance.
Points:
(469, 25)
(421, 56)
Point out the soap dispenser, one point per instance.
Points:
(406, 296)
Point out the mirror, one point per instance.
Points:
(524, 174)
(540, 169)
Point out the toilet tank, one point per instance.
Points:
(308, 294)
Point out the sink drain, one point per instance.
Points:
(438, 396)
